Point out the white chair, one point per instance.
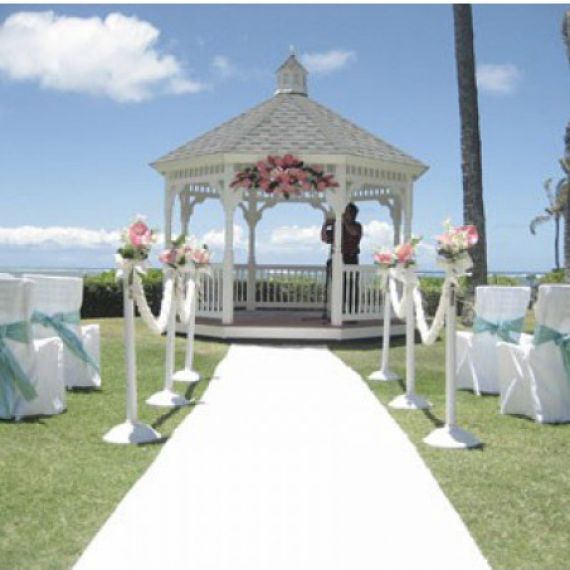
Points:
(30, 379)
(57, 303)
(535, 376)
(500, 313)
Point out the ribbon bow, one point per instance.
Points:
(58, 322)
(12, 377)
(126, 267)
(543, 334)
(505, 330)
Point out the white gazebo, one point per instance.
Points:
(278, 301)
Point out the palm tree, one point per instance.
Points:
(555, 211)
(473, 207)
(566, 164)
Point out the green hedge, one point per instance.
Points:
(103, 295)
(556, 276)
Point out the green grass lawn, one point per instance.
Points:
(58, 480)
(514, 494)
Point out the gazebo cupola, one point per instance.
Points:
(291, 77)
(365, 167)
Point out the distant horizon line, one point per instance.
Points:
(76, 269)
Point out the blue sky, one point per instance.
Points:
(86, 102)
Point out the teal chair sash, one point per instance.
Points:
(58, 322)
(543, 334)
(508, 331)
(12, 378)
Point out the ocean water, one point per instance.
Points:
(524, 277)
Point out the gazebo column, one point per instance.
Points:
(252, 217)
(252, 214)
(170, 192)
(337, 199)
(408, 210)
(187, 206)
(396, 216)
(230, 199)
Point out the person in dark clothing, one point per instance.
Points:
(350, 249)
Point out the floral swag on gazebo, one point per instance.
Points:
(284, 176)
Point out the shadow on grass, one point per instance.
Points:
(84, 390)
(173, 411)
(29, 420)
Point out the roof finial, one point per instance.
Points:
(292, 49)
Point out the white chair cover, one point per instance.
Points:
(534, 380)
(38, 359)
(64, 295)
(477, 360)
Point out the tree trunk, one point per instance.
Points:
(566, 38)
(557, 242)
(473, 207)
(567, 209)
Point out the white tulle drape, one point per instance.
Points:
(132, 271)
(407, 276)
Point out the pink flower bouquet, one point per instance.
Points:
(454, 243)
(406, 252)
(137, 240)
(385, 258)
(186, 256)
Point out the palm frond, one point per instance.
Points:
(537, 221)
(548, 190)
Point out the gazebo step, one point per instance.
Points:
(290, 325)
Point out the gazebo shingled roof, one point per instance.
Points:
(291, 120)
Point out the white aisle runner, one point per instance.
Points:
(290, 463)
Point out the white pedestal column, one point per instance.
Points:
(451, 436)
(410, 400)
(167, 397)
(188, 374)
(131, 431)
(384, 374)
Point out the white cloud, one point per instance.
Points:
(499, 79)
(116, 57)
(60, 237)
(375, 235)
(224, 67)
(214, 239)
(295, 236)
(302, 238)
(327, 62)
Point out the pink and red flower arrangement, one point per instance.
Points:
(286, 176)
(185, 255)
(403, 255)
(385, 258)
(136, 240)
(455, 242)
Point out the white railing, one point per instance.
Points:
(362, 293)
(210, 298)
(290, 286)
(295, 287)
(240, 286)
